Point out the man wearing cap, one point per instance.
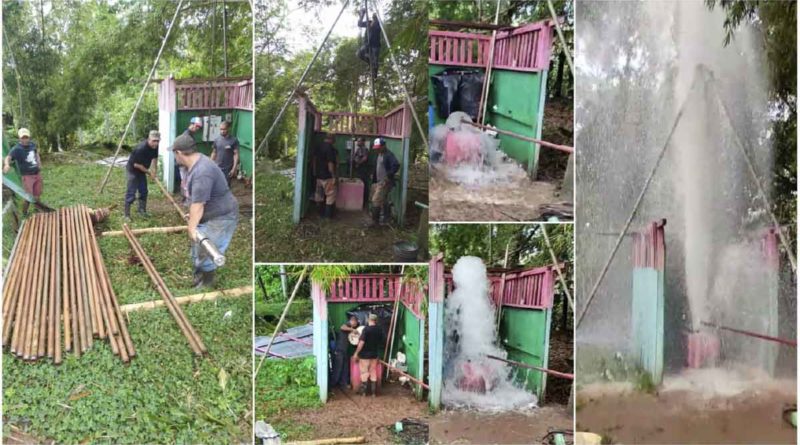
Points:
(213, 210)
(225, 152)
(386, 167)
(27, 160)
(195, 124)
(140, 162)
(361, 162)
(323, 167)
(370, 346)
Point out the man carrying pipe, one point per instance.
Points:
(361, 163)
(28, 161)
(323, 167)
(369, 348)
(225, 152)
(341, 358)
(371, 49)
(386, 167)
(140, 162)
(213, 210)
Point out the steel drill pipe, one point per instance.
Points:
(178, 314)
(194, 340)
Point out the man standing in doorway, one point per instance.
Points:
(386, 167)
(213, 210)
(225, 152)
(361, 162)
(341, 357)
(140, 162)
(323, 167)
(369, 348)
(27, 160)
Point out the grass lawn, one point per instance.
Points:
(285, 386)
(165, 395)
(345, 239)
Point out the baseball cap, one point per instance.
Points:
(197, 121)
(184, 143)
(23, 132)
(378, 142)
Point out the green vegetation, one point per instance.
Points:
(285, 386)
(165, 395)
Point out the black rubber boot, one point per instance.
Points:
(373, 388)
(386, 214)
(142, 211)
(210, 279)
(375, 212)
(321, 209)
(197, 280)
(128, 211)
(363, 388)
(329, 210)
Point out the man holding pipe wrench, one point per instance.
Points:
(213, 210)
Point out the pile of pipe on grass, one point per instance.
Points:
(180, 318)
(56, 276)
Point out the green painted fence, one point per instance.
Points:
(524, 334)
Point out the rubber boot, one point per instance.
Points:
(373, 387)
(128, 211)
(209, 278)
(321, 209)
(363, 389)
(375, 213)
(386, 214)
(142, 211)
(25, 206)
(197, 280)
(329, 211)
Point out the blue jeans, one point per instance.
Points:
(136, 183)
(219, 231)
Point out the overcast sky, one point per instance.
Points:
(319, 22)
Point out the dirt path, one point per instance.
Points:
(463, 427)
(514, 201)
(684, 417)
(347, 414)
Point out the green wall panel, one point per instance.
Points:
(523, 332)
(410, 340)
(513, 105)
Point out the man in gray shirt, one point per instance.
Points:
(213, 210)
(225, 152)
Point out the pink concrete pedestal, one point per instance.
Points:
(350, 195)
(702, 349)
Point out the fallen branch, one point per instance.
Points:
(172, 229)
(196, 298)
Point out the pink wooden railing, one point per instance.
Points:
(214, 95)
(528, 289)
(648, 246)
(377, 288)
(395, 124)
(526, 48)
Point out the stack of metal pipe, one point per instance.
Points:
(195, 342)
(57, 289)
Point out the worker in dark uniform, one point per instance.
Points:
(323, 165)
(386, 167)
(213, 210)
(143, 162)
(371, 49)
(28, 161)
(341, 356)
(368, 351)
(361, 163)
(225, 152)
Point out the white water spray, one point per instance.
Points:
(472, 380)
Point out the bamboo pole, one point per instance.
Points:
(11, 294)
(26, 289)
(33, 316)
(65, 290)
(88, 261)
(178, 208)
(88, 309)
(387, 350)
(58, 293)
(194, 341)
(44, 323)
(405, 374)
(172, 229)
(335, 441)
(77, 327)
(564, 148)
(196, 298)
(12, 263)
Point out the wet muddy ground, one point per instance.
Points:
(347, 414)
(681, 416)
(468, 427)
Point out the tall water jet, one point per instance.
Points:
(471, 380)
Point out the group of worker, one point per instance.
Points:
(371, 342)
(205, 188)
(378, 178)
(213, 211)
